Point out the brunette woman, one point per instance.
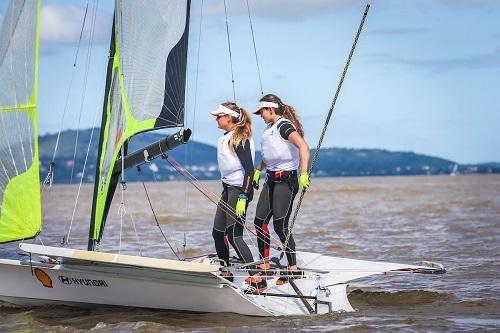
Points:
(285, 154)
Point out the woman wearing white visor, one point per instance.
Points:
(284, 153)
(235, 156)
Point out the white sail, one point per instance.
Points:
(145, 86)
(20, 208)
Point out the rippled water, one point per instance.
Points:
(451, 220)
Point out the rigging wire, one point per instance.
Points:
(195, 102)
(255, 48)
(154, 214)
(230, 55)
(52, 164)
(122, 211)
(214, 198)
(66, 237)
(330, 113)
(84, 91)
(65, 240)
(131, 216)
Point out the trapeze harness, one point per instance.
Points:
(276, 199)
(236, 170)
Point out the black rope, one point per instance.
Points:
(330, 112)
(255, 49)
(154, 214)
(81, 34)
(230, 55)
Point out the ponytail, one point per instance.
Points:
(242, 130)
(289, 113)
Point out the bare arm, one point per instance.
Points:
(261, 166)
(303, 147)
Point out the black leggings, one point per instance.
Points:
(276, 200)
(225, 224)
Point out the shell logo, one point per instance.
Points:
(43, 277)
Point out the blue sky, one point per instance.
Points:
(425, 76)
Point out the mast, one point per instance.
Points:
(92, 242)
(145, 88)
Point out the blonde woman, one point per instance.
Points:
(285, 154)
(235, 156)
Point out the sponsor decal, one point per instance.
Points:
(81, 282)
(43, 277)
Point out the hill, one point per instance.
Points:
(201, 160)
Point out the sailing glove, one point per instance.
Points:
(304, 180)
(241, 205)
(256, 178)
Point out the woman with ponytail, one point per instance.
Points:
(235, 155)
(285, 153)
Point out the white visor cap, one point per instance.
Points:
(265, 105)
(223, 110)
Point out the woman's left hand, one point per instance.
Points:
(304, 180)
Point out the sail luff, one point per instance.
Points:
(92, 235)
(20, 201)
(137, 87)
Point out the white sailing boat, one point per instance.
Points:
(144, 91)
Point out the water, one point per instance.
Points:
(451, 220)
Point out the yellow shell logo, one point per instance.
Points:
(43, 277)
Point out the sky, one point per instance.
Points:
(425, 75)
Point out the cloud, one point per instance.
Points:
(473, 3)
(293, 10)
(63, 24)
(470, 62)
(282, 9)
(399, 31)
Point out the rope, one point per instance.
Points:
(70, 85)
(189, 151)
(135, 229)
(84, 91)
(330, 112)
(255, 49)
(216, 199)
(122, 211)
(154, 214)
(49, 179)
(230, 56)
(65, 240)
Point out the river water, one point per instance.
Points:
(451, 220)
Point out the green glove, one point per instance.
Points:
(256, 178)
(304, 180)
(241, 205)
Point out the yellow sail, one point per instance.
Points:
(20, 205)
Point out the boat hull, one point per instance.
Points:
(35, 285)
(77, 277)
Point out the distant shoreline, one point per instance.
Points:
(200, 160)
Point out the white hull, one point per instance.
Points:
(124, 287)
(84, 278)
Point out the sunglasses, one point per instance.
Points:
(220, 116)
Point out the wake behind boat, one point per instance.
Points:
(145, 89)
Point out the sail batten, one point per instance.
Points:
(145, 86)
(20, 206)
